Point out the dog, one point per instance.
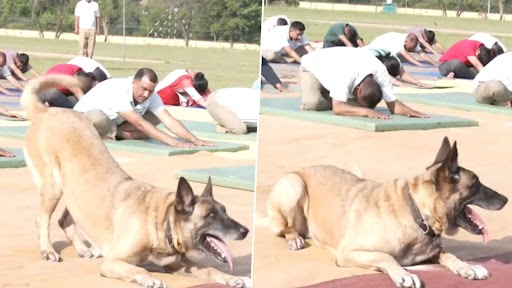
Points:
(383, 226)
(129, 221)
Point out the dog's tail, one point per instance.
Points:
(30, 101)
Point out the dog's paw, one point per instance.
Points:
(473, 272)
(407, 280)
(240, 282)
(154, 283)
(296, 243)
(50, 256)
(89, 253)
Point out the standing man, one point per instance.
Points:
(87, 25)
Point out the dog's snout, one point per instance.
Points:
(243, 231)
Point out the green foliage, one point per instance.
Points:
(225, 20)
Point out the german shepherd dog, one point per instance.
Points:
(129, 222)
(384, 226)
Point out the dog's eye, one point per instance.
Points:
(212, 214)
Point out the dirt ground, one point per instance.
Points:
(287, 144)
(20, 262)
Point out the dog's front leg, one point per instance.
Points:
(457, 266)
(122, 270)
(378, 261)
(190, 269)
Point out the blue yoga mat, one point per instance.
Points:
(12, 90)
(425, 73)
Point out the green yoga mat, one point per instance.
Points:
(454, 100)
(290, 108)
(270, 89)
(209, 130)
(140, 146)
(13, 162)
(237, 177)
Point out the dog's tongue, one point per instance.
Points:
(478, 221)
(223, 248)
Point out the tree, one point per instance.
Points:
(185, 11)
(38, 8)
(501, 4)
(62, 14)
(110, 11)
(235, 19)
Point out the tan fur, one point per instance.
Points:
(125, 218)
(369, 224)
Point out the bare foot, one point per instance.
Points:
(451, 75)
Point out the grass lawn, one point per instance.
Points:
(222, 67)
(316, 31)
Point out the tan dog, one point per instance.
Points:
(129, 221)
(384, 226)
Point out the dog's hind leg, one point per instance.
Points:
(67, 224)
(286, 206)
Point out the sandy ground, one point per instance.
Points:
(20, 262)
(287, 144)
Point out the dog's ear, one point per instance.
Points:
(450, 166)
(208, 189)
(443, 151)
(185, 198)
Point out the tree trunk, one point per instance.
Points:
(460, 9)
(502, 8)
(232, 38)
(443, 7)
(106, 25)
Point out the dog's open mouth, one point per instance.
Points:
(469, 220)
(218, 249)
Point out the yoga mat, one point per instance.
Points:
(438, 277)
(238, 177)
(290, 107)
(209, 130)
(454, 100)
(12, 90)
(13, 162)
(425, 73)
(270, 89)
(139, 146)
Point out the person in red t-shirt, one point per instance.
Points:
(465, 59)
(63, 97)
(184, 87)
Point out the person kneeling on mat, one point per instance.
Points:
(64, 97)
(128, 108)
(493, 85)
(350, 82)
(465, 59)
(90, 65)
(182, 87)
(395, 68)
(235, 109)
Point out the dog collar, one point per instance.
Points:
(173, 241)
(416, 214)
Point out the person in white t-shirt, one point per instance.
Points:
(91, 66)
(401, 44)
(87, 26)
(278, 20)
(350, 82)
(493, 84)
(6, 73)
(235, 109)
(490, 42)
(128, 108)
(285, 41)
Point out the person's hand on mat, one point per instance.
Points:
(205, 143)
(377, 115)
(4, 153)
(413, 113)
